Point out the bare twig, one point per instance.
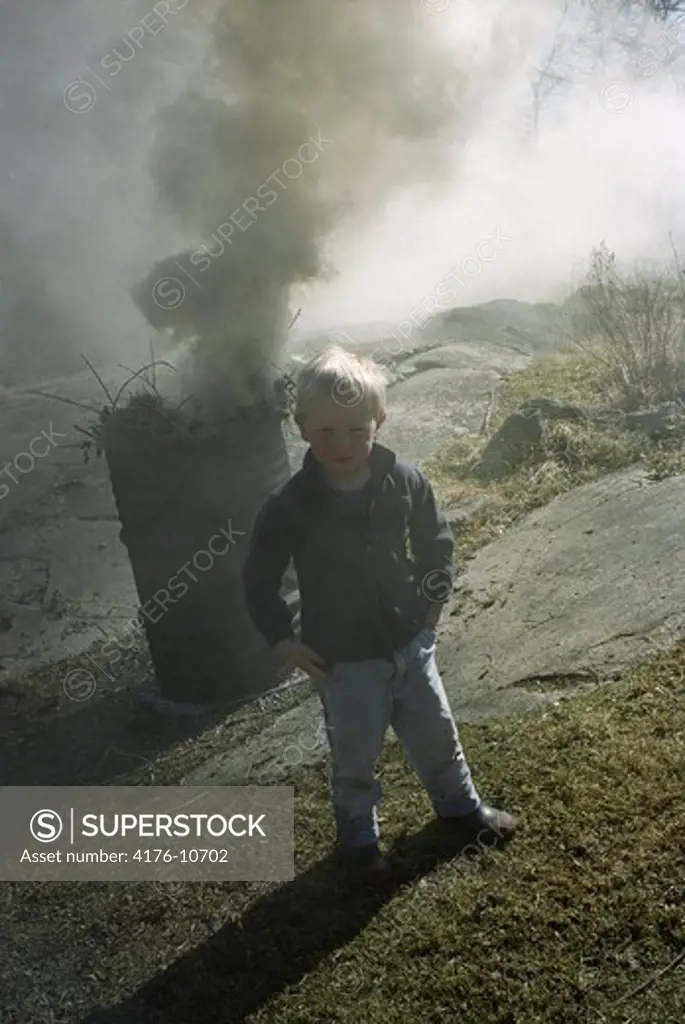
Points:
(92, 434)
(61, 398)
(674, 250)
(294, 319)
(183, 402)
(487, 418)
(134, 374)
(152, 364)
(97, 377)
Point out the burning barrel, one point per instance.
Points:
(187, 499)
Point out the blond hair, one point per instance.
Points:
(344, 376)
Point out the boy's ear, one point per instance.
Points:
(381, 420)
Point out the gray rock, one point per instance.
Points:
(510, 446)
(603, 414)
(589, 584)
(552, 410)
(658, 422)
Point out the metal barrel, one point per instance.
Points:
(187, 506)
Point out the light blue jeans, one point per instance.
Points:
(360, 700)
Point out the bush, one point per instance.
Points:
(634, 325)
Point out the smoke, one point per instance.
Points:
(344, 157)
(74, 191)
(603, 164)
(315, 115)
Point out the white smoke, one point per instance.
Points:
(429, 106)
(75, 196)
(605, 165)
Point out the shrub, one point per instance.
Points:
(633, 323)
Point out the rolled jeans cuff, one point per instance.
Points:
(356, 832)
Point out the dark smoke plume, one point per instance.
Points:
(313, 113)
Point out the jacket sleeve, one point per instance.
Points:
(262, 574)
(432, 543)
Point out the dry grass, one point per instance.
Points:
(573, 453)
(633, 324)
(582, 910)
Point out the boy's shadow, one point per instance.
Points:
(280, 940)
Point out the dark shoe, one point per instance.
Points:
(486, 826)
(367, 865)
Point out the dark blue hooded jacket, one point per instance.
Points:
(369, 563)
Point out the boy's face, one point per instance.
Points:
(341, 437)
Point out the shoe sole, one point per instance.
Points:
(367, 874)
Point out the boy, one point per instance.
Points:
(368, 609)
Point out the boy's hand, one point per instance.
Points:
(295, 653)
(433, 616)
